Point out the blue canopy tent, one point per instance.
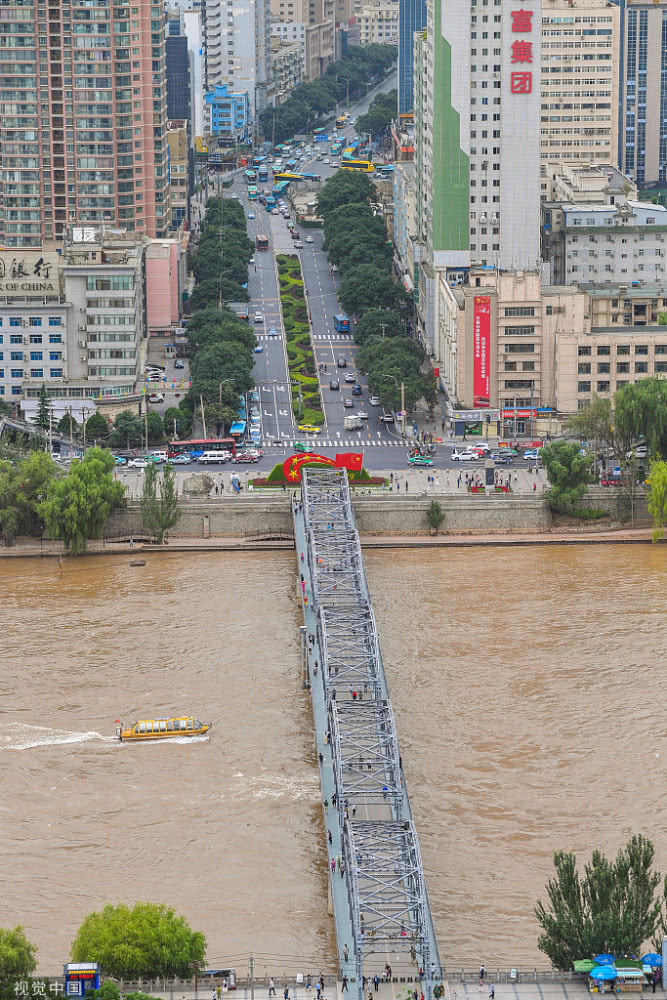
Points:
(604, 972)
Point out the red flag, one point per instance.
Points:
(350, 460)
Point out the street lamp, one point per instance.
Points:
(402, 385)
(347, 81)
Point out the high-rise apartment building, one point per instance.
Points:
(84, 119)
(411, 18)
(643, 91)
(580, 64)
(317, 17)
(237, 48)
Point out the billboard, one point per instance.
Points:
(481, 387)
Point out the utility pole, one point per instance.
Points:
(383, 327)
(50, 431)
(252, 977)
(203, 418)
(403, 406)
(146, 426)
(71, 439)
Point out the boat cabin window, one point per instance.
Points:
(163, 726)
(197, 724)
(190, 723)
(182, 723)
(142, 727)
(170, 726)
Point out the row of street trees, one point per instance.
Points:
(356, 242)
(308, 102)
(381, 113)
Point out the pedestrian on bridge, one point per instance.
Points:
(318, 989)
(346, 952)
(308, 982)
(286, 993)
(492, 992)
(344, 985)
(272, 988)
(376, 982)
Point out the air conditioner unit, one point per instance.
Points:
(101, 378)
(82, 309)
(82, 343)
(83, 357)
(82, 329)
(24, 322)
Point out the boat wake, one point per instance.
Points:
(22, 736)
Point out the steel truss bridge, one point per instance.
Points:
(387, 901)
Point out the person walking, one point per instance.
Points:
(492, 992)
(346, 952)
(344, 985)
(308, 982)
(482, 973)
(318, 989)
(272, 988)
(376, 982)
(286, 993)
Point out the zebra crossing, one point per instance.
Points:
(317, 443)
(335, 338)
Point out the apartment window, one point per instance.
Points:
(659, 348)
(584, 369)
(17, 372)
(56, 372)
(16, 356)
(55, 321)
(519, 331)
(36, 373)
(641, 367)
(15, 339)
(55, 338)
(583, 386)
(35, 321)
(519, 348)
(641, 349)
(623, 367)
(604, 368)
(527, 366)
(584, 352)
(14, 320)
(35, 338)
(519, 310)
(603, 386)
(622, 348)
(604, 350)
(35, 355)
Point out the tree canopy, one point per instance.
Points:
(149, 940)
(379, 116)
(610, 907)
(380, 323)
(77, 505)
(657, 498)
(159, 503)
(569, 473)
(390, 362)
(23, 486)
(641, 412)
(18, 956)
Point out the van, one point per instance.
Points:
(213, 457)
(159, 456)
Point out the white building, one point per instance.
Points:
(378, 22)
(237, 48)
(193, 33)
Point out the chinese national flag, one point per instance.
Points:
(350, 460)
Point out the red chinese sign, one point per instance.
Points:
(350, 460)
(522, 52)
(481, 382)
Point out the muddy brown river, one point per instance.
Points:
(528, 686)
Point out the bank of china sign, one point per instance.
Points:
(28, 272)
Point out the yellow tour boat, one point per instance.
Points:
(160, 729)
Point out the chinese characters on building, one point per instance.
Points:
(521, 81)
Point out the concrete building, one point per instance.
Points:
(287, 66)
(378, 22)
(165, 271)
(623, 242)
(585, 184)
(405, 222)
(477, 97)
(237, 48)
(192, 20)
(580, 79)
(317, 19)
(82, 140)
(178, 79)
(227, 115)
(412, 18)
(179, 161)
(643, 91)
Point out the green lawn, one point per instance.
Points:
(300, 355)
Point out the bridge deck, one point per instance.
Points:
(381, 907)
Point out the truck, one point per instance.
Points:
(353, 423)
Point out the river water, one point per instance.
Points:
(529, 696)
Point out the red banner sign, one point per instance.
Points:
(352, 461)
(481, 318)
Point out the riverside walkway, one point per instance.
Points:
(378, 891)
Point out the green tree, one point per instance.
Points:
(128, 431)
(18, 956)
(22, 488)
(611, 907)
(77, 506)
(657, 498)
(641, 411)
(367, 288)
(159, 502)
(177, 423)
(97, 428)
(569, 473)
(5, 408)
(148, 940)
(435, 515)
(64, 426)
(42, 417)
(155, 427)
(380, 323)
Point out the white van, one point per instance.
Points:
(215, 457)
(159, 456)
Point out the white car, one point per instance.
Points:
(137, 463)
(326, 160)
(463, 456)
(275, 211)
(156, 397)
(362, 414)
(374, 400)
(298, 245)
(309, 239)
(259, 317)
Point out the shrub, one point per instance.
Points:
(587, 513)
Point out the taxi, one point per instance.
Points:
(419, 460)
(309, 429)
(303, 446)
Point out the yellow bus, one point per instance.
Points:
(365, 166)
(340, 122)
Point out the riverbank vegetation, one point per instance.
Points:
(309, 102)
(306, 399)
(609, 907)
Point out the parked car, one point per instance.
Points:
(463, 456)
(137, 463)
(334, 385)
(641, 451)
(156, 397)
(117, 460)
(374, 400)
(179, 364)
(348, 403)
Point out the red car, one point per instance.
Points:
(245, 456)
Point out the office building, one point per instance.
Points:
(580, 74)
(82, 140)
(378, 22)
(178, 78)
(192, 21)
(643, 92)
(585, 184)
(287, 66)
(411, 18)
(237, 48)
(316, 17)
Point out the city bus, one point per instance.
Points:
(336, 148)
(261, 242)
(197, 446)
(291, 165)
(341, 323)
(340, 122)
(319, 131)
(280, 190)
(252, 192)
(250, 176)
(365, 166)
(263, 173)
(349, 151)
(257, 161)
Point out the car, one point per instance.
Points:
(348, 403)
(477, 452)
(275, 211)
(309, 239)
(180, 460)
(387, 417)
(374, 400)
(259, 317)
(117, 460)
(356, 390)
(419, 460)
(335, 164)
(156, 397)
(350, 377)
(334, 385)
(245, 456)
(531, 455)
(259, 349)
(309, 429)
(251, 215)
(512, 452)
(503, 460)
(641, 451)
(137, 463)
(296, 235)
(463, 456)
(154, 368)
(252, 259)
(362, 414)
(341, 363)
(326, 160)
(298, 245)
(273, 332)
(179, 364)
(303, 446)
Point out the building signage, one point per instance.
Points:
(28, 271)
(481, 351)
(471, 416)
(521, 80)
(526, 414)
